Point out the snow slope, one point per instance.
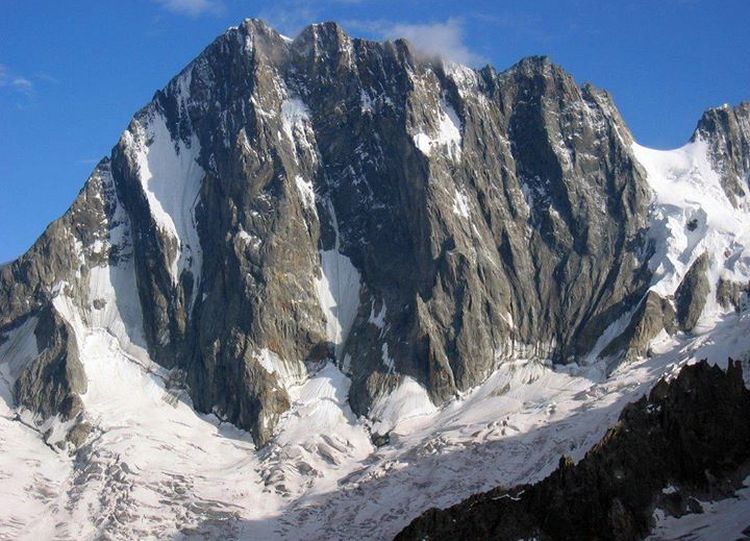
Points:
(691, 215)
(724, 519)
(154, 468)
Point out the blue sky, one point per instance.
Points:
(73, 73)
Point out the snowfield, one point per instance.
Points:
(154, 468)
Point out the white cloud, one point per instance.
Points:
(15, 81)
(192, 8)
(445, 39)
(22, 83)
(46, 78)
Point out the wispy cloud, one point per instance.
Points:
(442, 38)
(192, 8)
(46, 78)
(22, 84)
(15, 81)
(88, 161)
(291, 16)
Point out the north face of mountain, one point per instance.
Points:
(282, 204)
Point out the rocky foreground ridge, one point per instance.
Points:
(689, 439)
(282, 203)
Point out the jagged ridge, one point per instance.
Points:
(689, 437)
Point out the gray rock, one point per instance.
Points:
(653, 315)
(692, 293)
(732, 294)
(53, 381)
(727, 132)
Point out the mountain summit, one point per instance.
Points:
(331, 209)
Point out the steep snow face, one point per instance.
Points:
(461, 204)
(306, 192)
(288, 374)
(295, 123)
(691, 215)
(294, 114)
(338, 293)
(446, 137)
(113, 306)
(338, 290)
(171, 180)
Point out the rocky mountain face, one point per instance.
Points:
(688, 439)
(282, 203)
(727, 132)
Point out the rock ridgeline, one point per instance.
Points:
(283, 202)
(688, 439)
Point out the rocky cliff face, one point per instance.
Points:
(727, 132)
(688, 438)
(283, 202)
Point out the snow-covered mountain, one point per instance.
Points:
(323, 284)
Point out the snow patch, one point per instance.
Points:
(378, 319)
(306, 192)
(294, 114)
(248, 239)
(388, 361)
(338, 291)
(448, 136)
(288, 375)
(338, 294)
(365, 101)
(460, 204)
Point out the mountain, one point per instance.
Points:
(317, 242)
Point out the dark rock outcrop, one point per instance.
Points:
(53, 381)
(690, 434)
(691, 295)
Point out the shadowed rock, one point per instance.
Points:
(690, 434)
